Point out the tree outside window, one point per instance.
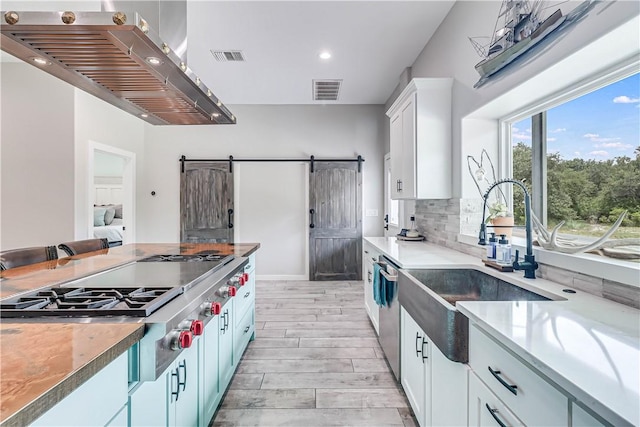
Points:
(590, 149)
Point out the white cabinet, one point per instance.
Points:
(580, 418)
(420, 139)
(81, 408)
(485, 409)
(369, 256)
(435, 386)
(449, 383)
(528, 396)
(414, 368)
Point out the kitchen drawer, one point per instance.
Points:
(485, 409)
(244, 299)
(532, 399)
(242, 334)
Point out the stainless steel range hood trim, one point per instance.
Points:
(187, 98)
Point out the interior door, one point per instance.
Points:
(335, 221)
(206, 203)
(392, 208)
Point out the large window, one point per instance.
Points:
(581, 161)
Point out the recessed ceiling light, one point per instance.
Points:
(153, 60)
(325, 55)
(144, 115)
(40, 61)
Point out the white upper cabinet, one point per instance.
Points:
(420, 138)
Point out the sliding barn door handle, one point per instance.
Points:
(230, 212)
(311, 213)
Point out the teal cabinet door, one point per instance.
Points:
(81, 408)
(121, 419)
(148, 402)
(225, 341)
(210, 389)
(184, 405)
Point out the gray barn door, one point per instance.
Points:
(335, 228)
(206, 203)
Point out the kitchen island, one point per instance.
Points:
(42, 361)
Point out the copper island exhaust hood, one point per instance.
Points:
(117, 57)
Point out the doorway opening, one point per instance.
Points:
(111, 177)
(393, 209)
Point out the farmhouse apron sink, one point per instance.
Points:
(430, 297)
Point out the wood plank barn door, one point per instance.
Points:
(206, 203)
(335, 227)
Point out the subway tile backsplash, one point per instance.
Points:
(441, 221)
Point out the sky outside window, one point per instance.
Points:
(601, 125)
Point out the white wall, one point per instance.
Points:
(106, 164)
(99, 122)
(263, 131)
(37, 169)
(271, 207)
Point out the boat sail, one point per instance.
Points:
(519, 27)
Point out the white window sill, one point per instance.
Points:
(616, 270)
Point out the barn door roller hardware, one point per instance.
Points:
(312, 160)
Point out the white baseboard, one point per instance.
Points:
(285, 277)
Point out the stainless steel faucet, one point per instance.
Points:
(529, 265)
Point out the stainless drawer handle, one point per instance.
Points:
(511, 387)
(247, 329)
(493, 413)
(247, 294)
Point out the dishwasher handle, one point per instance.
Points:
(389, 273)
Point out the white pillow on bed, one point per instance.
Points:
(109, 214)
(98, 216)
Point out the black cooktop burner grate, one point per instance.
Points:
(184, 258)
(84, 301)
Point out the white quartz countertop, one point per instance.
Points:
(587, 345)
(419, 254)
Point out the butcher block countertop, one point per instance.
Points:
(40, 362)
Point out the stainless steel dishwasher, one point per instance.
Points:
(389, 337)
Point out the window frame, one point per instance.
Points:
(537, 112)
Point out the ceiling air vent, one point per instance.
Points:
(326, 90)
(228, 55)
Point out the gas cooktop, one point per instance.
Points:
(75, 302)
(137, 289)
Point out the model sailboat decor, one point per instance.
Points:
(521, 25)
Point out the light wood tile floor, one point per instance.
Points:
(315, 361)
